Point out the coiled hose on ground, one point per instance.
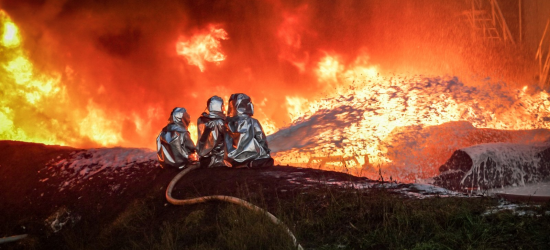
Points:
(225, 198)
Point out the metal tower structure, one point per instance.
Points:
(543, 57)
(487, 21)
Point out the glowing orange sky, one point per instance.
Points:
(118, 73)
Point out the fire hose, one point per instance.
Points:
(225, 198)
(12, 238)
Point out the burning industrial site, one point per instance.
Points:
(394, 93)
(87, 74)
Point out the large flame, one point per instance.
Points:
(351, 76)
(360, 116)
(22, 86)
(203, 47)
(27, 112)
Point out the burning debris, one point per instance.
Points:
(320, 162)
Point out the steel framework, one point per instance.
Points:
(544, 61)
(487, 21)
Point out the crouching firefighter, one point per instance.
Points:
(246, 142)
(211, 131)
(174, 145)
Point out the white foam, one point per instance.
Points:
(87, 163)
(541, 189)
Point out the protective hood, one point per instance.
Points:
(211, 128)
(240, 104)
(215, 108)
(179, 116)
(215, 103)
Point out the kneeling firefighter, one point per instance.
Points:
(246, 142)
(174, 145)
(211, 131)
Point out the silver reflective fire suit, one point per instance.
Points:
(174, 144)
(245, 140)
(211, 131)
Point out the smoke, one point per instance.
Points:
(119, 74)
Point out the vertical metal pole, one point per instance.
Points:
(546, 67)
(494, 18)
(473, 20)
(493, 13)
(539, 56)
(504, 27)
(520, 28)
(474, 15)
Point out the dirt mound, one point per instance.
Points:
(47, 190)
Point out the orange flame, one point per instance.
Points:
(328, 69)
(111, 82)
(21, 84)
(395, 102)
(11, 36)
(27, 93)
(289, 33)
(202, 48)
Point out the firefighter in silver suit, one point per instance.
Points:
(211, 131)
(246, 142)
(174, 145)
